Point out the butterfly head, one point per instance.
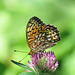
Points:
(30, 53)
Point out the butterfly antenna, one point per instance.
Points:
(20, 51)
(23, 58)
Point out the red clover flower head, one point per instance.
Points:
(43, 62)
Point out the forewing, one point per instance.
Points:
(33, 27)
(47, 37)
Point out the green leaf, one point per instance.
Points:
(22, 65)
(27, 73)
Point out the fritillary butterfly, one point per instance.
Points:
(40, 36)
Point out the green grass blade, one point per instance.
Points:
(22, 65)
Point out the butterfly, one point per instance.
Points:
(40, 36)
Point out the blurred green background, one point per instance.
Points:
(14, 16)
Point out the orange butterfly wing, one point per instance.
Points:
(33, 26)
(40, 36)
